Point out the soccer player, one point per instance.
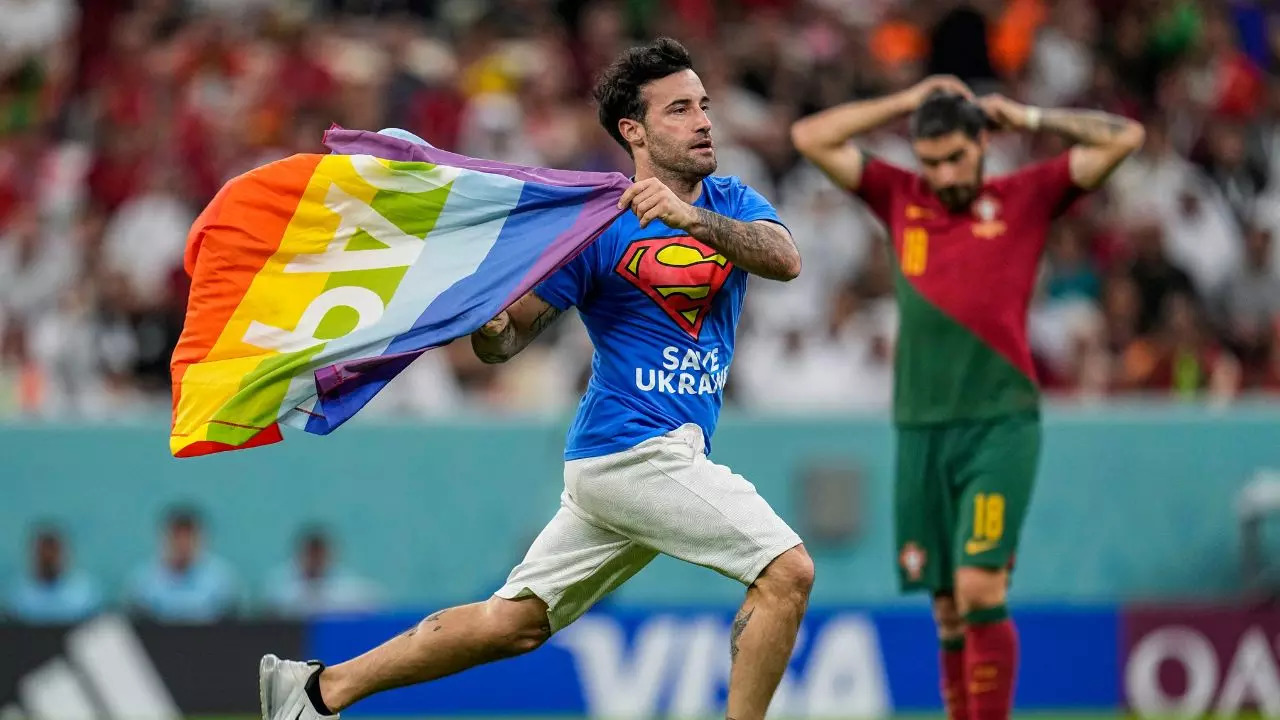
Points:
(660, 292)
(966, 402)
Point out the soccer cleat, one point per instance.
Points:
(282, 689)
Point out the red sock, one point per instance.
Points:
(954, 697)
(991, 663)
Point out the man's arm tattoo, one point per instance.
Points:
(510, 341)
(435, 618)
(432, 618)
(497, 348)
(751, 246)
(540, 323)
(739, 625)
(1087, 127)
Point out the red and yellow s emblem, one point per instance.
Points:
(680, 274)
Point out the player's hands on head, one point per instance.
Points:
(1004, 112)
(497, 325)
(935, 83)
(651, 200)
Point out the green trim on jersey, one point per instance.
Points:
(943, 372)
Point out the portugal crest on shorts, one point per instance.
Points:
(912, 559)
(682, 275)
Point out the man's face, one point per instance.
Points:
(1180, 319)
(48, 557)
(676, 127)
(315, 558)
(1148, 243)
(952, 165)
(1227, 142)
(1258, 248)
(183, 545)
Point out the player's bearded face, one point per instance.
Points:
(677, 128)
(952, 164)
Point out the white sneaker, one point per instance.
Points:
(282, 689)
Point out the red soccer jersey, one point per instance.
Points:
(964, 281)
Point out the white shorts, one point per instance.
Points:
(619, 511)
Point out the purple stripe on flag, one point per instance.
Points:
(362, 142)
(380, 367)
(553, 259)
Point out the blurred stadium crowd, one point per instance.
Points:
(119, 119)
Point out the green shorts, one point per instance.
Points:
(961, 493)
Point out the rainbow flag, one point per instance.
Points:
(317, 278)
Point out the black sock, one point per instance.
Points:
(313, 692)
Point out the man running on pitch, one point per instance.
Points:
(660, 293)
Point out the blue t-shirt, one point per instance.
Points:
(71, 598)
(661, 309)
(204, 592)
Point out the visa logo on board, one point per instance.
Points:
(679, 667)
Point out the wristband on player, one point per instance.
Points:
(1033, 118)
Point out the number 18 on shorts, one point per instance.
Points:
(960, 495)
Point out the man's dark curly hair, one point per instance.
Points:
(617, 92)
(943, 113)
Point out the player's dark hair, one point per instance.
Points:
(943, 113)
(183, 517)
(312, 536)
(617, 91)
(46, 531)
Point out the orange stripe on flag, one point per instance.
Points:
(250, 213)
